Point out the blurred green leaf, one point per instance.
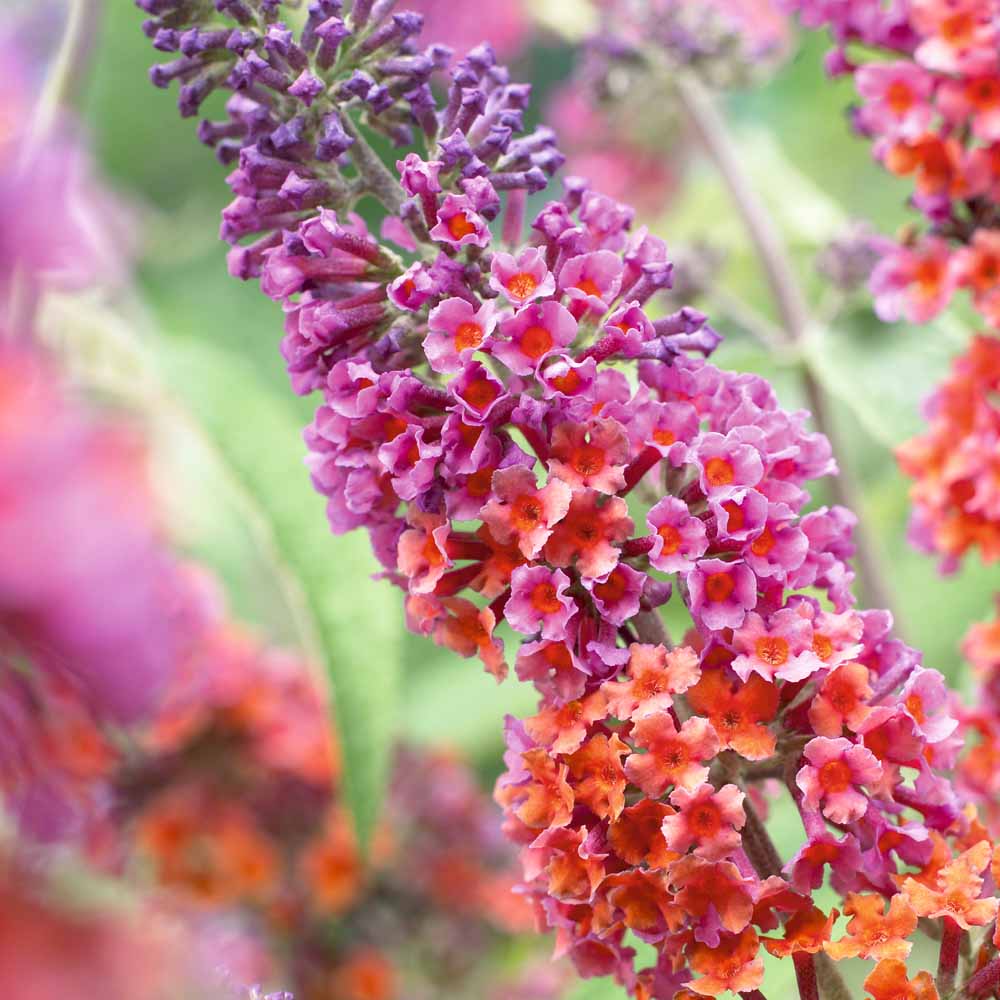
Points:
(350, 623)
(883, 373)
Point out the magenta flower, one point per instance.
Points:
(592, 280)
(914, 284)
(523, 513)
(617, 594)
(539, 602)
(478, 392)
(834, 771)
(532, 334)
(679, 537)
(721, 593)
(926, 700)
(456, 332)
(741, 516)
(566, 377)
(725, 464)
(412, 288)
(897, 98)
(522, 278)
(459, 224)
(707, 818)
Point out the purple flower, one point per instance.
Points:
(458, 223)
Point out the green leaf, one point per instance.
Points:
(349, 623)
(881, 373)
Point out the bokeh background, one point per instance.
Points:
(816, 178)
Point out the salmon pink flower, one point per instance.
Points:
(591, 455)
(637, 835)
(888, 981)
(706, 819)
(597, 776)
(732, 965)
(539, 602)
(456, 331)
(806, 868)
(422, 552)
(655, 676)
(873, 932)
(543, 799)
(806, 932)
(925, 699)
(553, 668)
(522, 278)
(522, 512)
(842, 701)
(721, 593)
(680, 537)
(835, 770)
(673, 757)
(588, 533)
(534, 332)
(738, 712)
(956, 896)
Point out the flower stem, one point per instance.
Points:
(805, 975)
(791, 306)
(984, 982)
(951, 944)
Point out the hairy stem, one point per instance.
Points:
(650, 628)
(372, 171)
(984, 982)
(951, 944)
(791, 306)
(805, 976)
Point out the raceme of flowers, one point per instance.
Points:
(232, 803)
(928, 77)
(955, 463)
(527, 441)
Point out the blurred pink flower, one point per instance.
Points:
(463, 24)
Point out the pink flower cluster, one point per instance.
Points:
(90, 597)
(931, 107)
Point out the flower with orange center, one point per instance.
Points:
(739, 712)
(643, 902)
(888, 981)
(806, 932)
(842, 701)
(588, 534)
(331, 867)
(673, 757)
(421, 552)
(637, 835)
(733, 965)
(574, 868)
(365, 975)
(958, 890)
(597, 776)
(545, 799)
(706, 819)
(712, 888)
(873, 932)
(832, 774)
(458, 625)
(563, 728)
(590, 455)
(655, 676)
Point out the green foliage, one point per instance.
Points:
(348, 622)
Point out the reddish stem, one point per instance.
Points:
(645, 460)
(805, 975)
(537, 442)
(951, 946)
(461, 548)
(451, 583)
(499, 604)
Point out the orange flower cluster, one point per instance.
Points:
(955, 463)
(232, 805)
